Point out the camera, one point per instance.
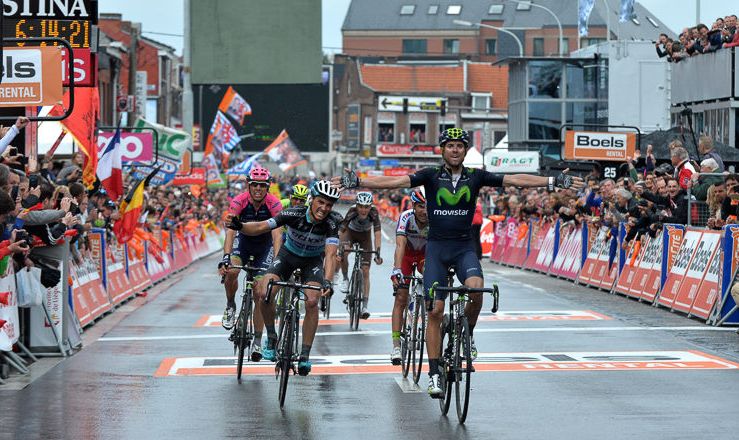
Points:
(33, 181)
(22, 236)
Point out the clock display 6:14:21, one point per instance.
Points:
(77, 32)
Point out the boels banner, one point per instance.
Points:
(31, 77)
(607, 146)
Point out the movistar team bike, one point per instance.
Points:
(455, 362)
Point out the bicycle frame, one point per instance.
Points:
(356, 293)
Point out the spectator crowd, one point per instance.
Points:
(700, 39)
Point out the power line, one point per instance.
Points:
(163, 33)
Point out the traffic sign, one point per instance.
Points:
(388, 103)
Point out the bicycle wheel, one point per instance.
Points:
(285, 348)
(356, 300)
(463, 369)
(419, 339)
(241, 340)
(444, 361)
(406, 350)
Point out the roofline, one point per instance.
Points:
(361, 79)
(508, 60)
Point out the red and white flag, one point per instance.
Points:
(109, 167)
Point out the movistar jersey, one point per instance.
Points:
(451, 208)
(305, 238)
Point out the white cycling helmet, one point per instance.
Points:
(364, 198)
(324, 188)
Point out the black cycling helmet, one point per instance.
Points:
(454, 134)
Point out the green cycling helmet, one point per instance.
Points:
(300, 192)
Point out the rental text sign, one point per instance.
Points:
(31, 77)
(590, 145)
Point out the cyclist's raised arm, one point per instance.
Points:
(256, 228)
(563, 180)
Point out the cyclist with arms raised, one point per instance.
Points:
(253, 205)
(410, 249)
(451, 193)
(357, 227)
(311, 230)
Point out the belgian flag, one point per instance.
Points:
(130, 210)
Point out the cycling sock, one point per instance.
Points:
(271, 335)
(231, 304)
(472, 330)
(305, 351)
(433, 366)
(396, 338)
(258, 338)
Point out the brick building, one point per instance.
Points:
(368, 107)
(427, 29)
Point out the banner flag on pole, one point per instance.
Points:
(212, 171)
(284, 151)
(222, 138)
(585, 7)
(244, 167)
(235, 106)
(627, 10)
(110, 167)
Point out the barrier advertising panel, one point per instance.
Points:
(679, 267)
(704, 254)
(708, 292)
(727, 310)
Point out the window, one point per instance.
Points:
(414, 46)
(635, 21)
(433, 9)
(544, 79)
(538, 47)
(451, 46)
(651, 20)
(490, 46)
(498, 136)
(565, 45)
(495, 9)
(417, 133)
(480, 102)
(545, 119)
(592, 41)
(407, 9)
(523, 6)
(386, 132)
(454, 10)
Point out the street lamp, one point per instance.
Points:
(470, 24)
(559, 23)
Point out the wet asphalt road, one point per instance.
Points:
(143, 379)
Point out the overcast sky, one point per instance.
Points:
(165, 16)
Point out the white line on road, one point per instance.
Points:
(407, 386)
(480, 330)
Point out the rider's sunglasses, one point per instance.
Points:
(259, 185)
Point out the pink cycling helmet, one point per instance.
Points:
(259, 174)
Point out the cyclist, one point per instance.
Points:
(410, 248)
(311, 230)
(298, 197)
(451, 191)
(358, 224)
(253, 205)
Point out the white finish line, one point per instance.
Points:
(477, 331)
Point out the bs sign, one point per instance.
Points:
(590, 145)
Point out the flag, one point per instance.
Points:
(223, 136)
(212, 172)
(130, 210)
(585, 7)
(110, 166)
(244, 167)
(284, 151)
(81, 124)
(627, 10)
(234, 105)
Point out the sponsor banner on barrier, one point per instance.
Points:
(704, 254)
(537, 234)
(545, 256)
(731, 259)
(550, 361)
(592, 263)
(44, 333)
(500, 241)
(487, 237)
(631, 266)
(683, 258)
(708, 292)
(647, 280)
(117, 284)
(89, 296)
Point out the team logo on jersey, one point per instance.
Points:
(452, 199)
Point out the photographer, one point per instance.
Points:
(6, 137)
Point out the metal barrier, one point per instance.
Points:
(699, 211)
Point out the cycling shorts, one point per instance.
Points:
(411, 257)
(443, 254)
(286, 262)
(240, 255)
(348, 237)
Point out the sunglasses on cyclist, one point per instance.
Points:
(259, 185)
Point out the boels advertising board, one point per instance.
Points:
(605, 146)
(31, 77)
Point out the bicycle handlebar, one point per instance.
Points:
(493, 291)
(299, 286)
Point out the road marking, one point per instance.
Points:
(477, 331)
(407, 386)
(384, 318)
(486, 362)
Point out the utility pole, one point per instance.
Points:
(187, 96)
(132, 66)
